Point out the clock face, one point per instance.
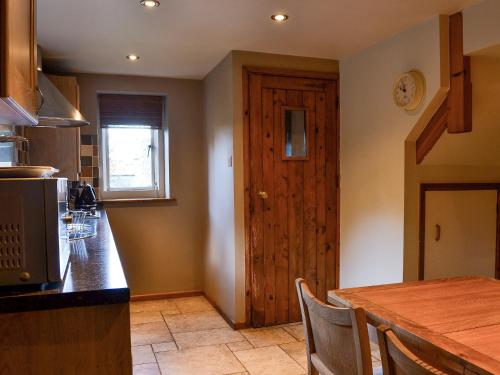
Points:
(409, 90)
(405, 90)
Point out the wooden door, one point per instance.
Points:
(460, 233)
(292, 197)
(18, 61)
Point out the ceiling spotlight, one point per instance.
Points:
(133, 57)
(279, 17)
(150, 3)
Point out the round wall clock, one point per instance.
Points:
(409, 90)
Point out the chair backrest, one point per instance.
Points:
(336, 337)
(398, 359)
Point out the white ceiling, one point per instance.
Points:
(187, 38)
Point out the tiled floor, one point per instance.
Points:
(186, 336)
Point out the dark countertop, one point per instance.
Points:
(94, 277)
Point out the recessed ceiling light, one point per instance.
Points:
(150, 3)
(279, 17)
(133, 57)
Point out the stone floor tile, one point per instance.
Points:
(241, 345)
(204, 360)
(296, 330)
(165, 305)
(146, 369)
(142, 354)
(267, 336)
(193, 304)
(200, 321)
(150, 333)
(270, 360)
(210, 337)
(296, 350)
(164, 347)
(145, 317)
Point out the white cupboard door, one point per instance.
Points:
(460, 233)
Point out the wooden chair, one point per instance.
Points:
(336, 337)
(398, 359)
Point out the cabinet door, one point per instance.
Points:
(59, 148)
(18, 93)
(460, 233)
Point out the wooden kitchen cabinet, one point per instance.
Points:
(19, 99)
(58, 147)
(72, 340)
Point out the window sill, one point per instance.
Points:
(139, 202)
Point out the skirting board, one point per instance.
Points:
(155, 296)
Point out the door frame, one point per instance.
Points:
(279, 72)
(458, 186)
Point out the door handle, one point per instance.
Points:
(437, 237)
(263, 194)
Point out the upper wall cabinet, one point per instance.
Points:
(19, 99)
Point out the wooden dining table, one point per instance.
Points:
(459, 315)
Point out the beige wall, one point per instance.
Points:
(380, 179)
(372, 152)
(481, 30)
(161, 246)
(226, 286)
(468, 157)
(219, 255)
(482, 145)
(481, 26)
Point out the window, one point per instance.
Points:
(133, 140)
(294, 133)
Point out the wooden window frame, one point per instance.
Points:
(424, 188)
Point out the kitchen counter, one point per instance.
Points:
(94, 277)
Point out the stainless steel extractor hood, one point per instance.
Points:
(55, 111)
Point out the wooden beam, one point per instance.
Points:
(460, 95)
(432, 132)
(455, 114)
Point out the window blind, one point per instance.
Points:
(131, 110)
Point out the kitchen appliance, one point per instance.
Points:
(82, 197)
(55, 110)
(34, 244)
